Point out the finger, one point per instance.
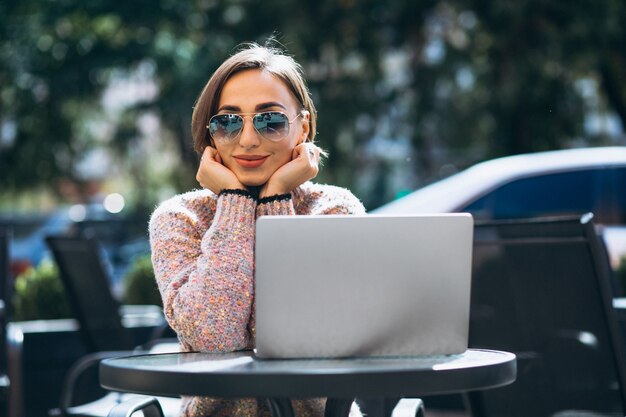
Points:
(199, 176)
(306, 150)
(296, 152)
(208, 153)
(311, 152)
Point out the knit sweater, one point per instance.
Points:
(203, 257)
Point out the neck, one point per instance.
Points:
(255, 190)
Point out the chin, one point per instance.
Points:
(253, 182)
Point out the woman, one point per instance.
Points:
(254, 125)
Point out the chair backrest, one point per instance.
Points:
(6, 287)
(6, 292)
(6, 280)
(85, 279)
(541, 289)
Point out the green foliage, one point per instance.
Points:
(140, 285)
(39, 294)
(451, 82)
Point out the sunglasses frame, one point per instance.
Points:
(251, 116)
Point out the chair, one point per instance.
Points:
(150, 407)
(541, 289)
(10, 339)
(391, 407)
(85, 279)
(87, 285)
(5, 305)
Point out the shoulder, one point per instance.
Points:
(193, 206)
(313, 198)
(327, 190)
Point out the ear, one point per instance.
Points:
(306, 127)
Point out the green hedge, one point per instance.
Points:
(140, 285)
(39, 292)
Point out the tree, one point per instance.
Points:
(406, 91)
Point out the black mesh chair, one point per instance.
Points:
(541, 289)
(87, 285)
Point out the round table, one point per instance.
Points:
(241, 374)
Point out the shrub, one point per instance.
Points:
(39, 294)
(139, 283)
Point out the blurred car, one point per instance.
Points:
(28, 230)
(112, 230)
(572, 181)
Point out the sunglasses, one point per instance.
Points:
(271, 125)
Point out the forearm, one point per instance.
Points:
(207, 280)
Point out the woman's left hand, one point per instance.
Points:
(304, 165)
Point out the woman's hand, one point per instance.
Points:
(304, 165)
(213, 175)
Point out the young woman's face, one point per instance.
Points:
(250, 156)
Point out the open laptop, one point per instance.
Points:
(369, 285)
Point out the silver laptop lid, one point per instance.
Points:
(371, 285)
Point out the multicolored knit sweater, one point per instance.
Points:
(203, 257)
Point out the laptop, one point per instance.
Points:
(362, 286)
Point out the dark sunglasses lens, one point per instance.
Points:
(272, 125)
(225, 126)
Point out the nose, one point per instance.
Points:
(249, 137)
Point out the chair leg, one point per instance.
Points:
(15, 341)
(409, 407)
(377, 407)
(280, 407)
(150, 407)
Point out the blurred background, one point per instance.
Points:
(96, 100)
(96, 97)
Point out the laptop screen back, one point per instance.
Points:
(371, 285)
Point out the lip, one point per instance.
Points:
(250, 161)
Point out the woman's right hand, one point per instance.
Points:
(213, 175)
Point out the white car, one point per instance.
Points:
(572, 181)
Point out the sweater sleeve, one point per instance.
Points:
(276, 205)
(206, 281)
(326, 200)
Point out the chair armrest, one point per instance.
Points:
(78, 368)
(409, 407)
(93, 359)
(150, 407)
(162, 331)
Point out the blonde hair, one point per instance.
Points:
(250, 56)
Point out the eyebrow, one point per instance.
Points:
(258, 107)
